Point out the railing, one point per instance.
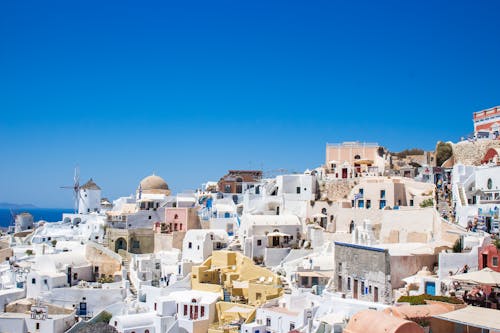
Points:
(353, 144)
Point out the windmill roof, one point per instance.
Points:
(90, 185)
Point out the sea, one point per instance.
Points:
(46, 214)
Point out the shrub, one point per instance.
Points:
(427, 203)
(457, 246)
(29, 252)
(104, 317)
(420, 299)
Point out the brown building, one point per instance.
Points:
(235, 181)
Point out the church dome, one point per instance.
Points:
(153, 182)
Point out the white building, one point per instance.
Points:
(290, 312)
(270, 236)
(198, 245)
(476, 195)
(194, 311)
(89, 198)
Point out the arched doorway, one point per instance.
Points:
(120, 244)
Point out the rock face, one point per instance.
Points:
(334, 190)
(98, 328)
(471, 153)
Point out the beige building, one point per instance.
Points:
(353, 159)
(381, 192)
(105, 263)
(131, 240)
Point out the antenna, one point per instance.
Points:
(75, 187)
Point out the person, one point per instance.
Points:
(469, 226)
(465, 269)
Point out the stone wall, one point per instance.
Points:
(334, 190)
(471, 153)
(366, 266)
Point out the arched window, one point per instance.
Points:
(176, 217)
(357, 157)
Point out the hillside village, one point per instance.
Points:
(370, 241)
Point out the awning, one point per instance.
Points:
(240, 284)
(474, 316)
(486, 276)
(239, 309)
(333, 318)
(277, 234)
(363, 162)
(326, 274)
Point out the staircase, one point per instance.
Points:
(462, 196)
(126, 265)
(227, 295)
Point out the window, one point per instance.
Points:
(185, 309)
(268, 321)
(411, 202)
(370, 289)
(190, 245)
(146, 331)
(33, 281)
(227, 188)
(75, 276)
(382, 194)
(292, 326)
(135, 244)
(298, 189)
(37, 326)
(202, 311)
(116, 323)
(494, 261)
(361, 191)
(381, 204)
(361, 203)
(157, 265)
(368, 204)
(362, 287)
(259, 242)
(348, 283)
(176, 217)
(149, 217)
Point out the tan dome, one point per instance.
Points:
(153, 182)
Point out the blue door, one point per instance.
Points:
(430, 288)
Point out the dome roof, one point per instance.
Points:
(153, 182)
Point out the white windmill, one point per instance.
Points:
(87, 196)
(75, 187)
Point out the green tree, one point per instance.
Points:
(427, 203)
(443, 152)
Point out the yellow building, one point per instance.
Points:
(237, 278)
(242, 284)
(231, 316)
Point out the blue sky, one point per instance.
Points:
(189, 89)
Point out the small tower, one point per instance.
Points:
(24, 221)
(89, 198)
